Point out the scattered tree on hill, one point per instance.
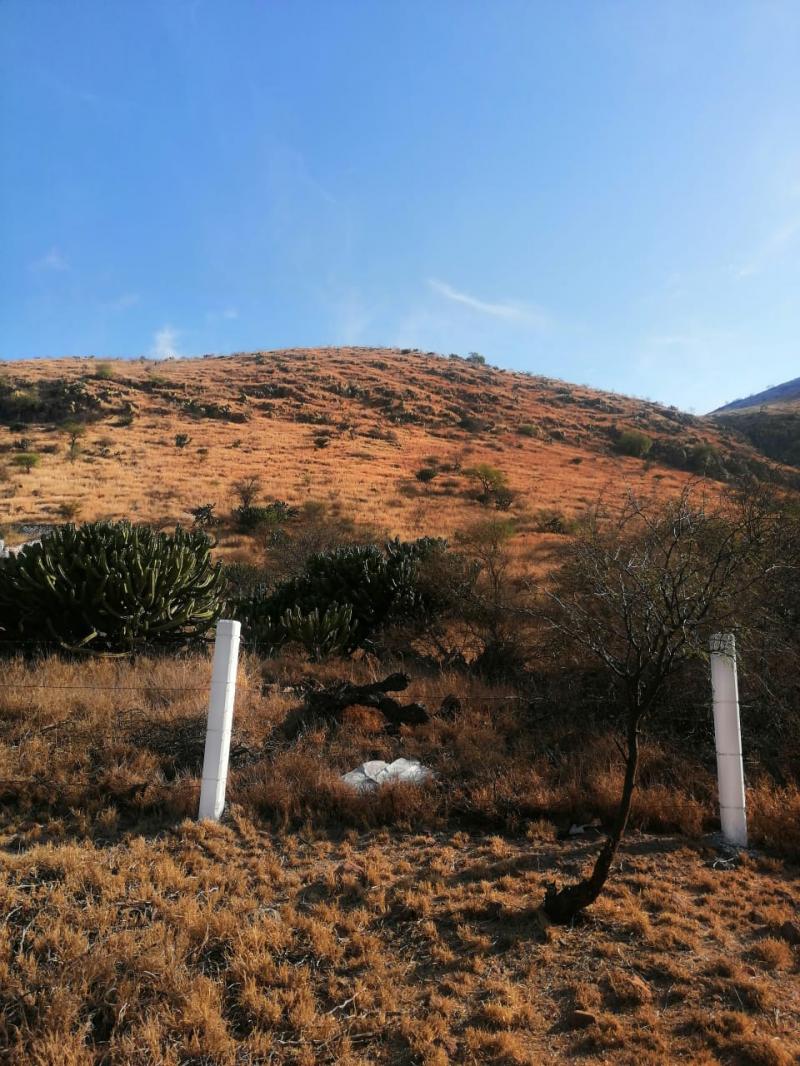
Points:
(74, 430)
(247, 490)
(492, 486)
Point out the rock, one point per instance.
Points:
(582, 1019)
(592, 827)
(371, 775)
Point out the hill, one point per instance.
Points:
(768, 420)
(316, 924)
(348, 426)
(786, 393)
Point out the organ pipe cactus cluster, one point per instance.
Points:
(111, 587)
(377, 586)
(322, 633)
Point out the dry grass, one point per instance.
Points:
(230, 944)
(368, 468)
(316, 926)
(89, 736)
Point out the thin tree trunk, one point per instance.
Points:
(561, 905)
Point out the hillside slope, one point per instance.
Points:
(786, 393)
(350, 426)
(769, 420)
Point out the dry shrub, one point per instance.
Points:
(774, 954)
(773, 814)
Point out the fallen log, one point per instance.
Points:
(328, 704)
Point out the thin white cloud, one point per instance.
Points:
(165, 343)
(771, 249)
(53, 259)
(508, 309)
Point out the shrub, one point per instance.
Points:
(26, 460)
(111, 586)
(104, 371)
(203, 515)
(182, 439)
(47, 400)
(492, 487)
(552, 520)
(248, 519)
(69, 509)
(426, 474)
(471, 424)
(633, 442)
(476, 358)
(247, 489)
(527, 429)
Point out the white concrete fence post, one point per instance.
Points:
(728, 734)
(220, 720)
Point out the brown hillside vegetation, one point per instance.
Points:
(348, 425)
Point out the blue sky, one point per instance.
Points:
(603, 192)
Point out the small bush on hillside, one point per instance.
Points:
(203, 515)
(247, 489)
(476, 358)
(552, 520)
(26, 461)
(112, 587)
(527, 429)
(251, 518)
(69, 509)
(182, 439)
(633, 442)
(426, 474)
(472, 424)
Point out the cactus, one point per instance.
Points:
(378, 587)
(321, 635)
(112, 587)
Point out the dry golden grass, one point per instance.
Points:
(317, 926)
(368, 467)
(231, 944)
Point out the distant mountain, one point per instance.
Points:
(769, 420)
(788, 392)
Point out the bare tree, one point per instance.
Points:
(641, 595)
(247, 490)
